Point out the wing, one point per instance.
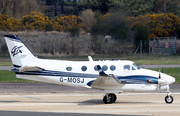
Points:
(105, 80)
(27, 68)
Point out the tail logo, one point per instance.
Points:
(16, 50)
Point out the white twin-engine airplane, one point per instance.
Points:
(110, 76)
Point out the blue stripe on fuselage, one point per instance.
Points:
(135, 79)
(58, 73)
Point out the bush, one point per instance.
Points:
(35, 20)
(159, 25)
(74, 30)
(66, 22)
(49, 27)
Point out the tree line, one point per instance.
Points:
(123, 20)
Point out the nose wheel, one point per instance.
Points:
(169, 99)
(109, 98)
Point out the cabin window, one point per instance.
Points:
(126, 67)
(83, 68)
(112, 67)
(95, 68)
(104, 68)
(69, 68)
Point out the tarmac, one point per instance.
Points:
(43, 99)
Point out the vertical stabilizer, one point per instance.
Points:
(19, 53)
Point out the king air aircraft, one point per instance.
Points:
(110, 76)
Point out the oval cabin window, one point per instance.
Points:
(69, 68)
(112, 67)
(83, 68)
(104, 68)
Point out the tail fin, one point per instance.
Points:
(20, 54)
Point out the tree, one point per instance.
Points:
(141, 34)
(132, 7)
(50, 2)
(114, 24)
(18, 8)
(136, 7)
(165, 6)
(172, 6)
(95, 5)
(158, 5)
(87, 17)
(56, 3)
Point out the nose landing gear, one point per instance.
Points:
(168, 99)
(109, 98)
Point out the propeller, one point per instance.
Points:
(159, 84)
(160, 81)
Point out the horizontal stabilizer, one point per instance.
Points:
(27, 68)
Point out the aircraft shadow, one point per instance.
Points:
(9, 101)
(98, 102)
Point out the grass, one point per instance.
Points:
(138, 59)
(9, 77)
(6, 64)
(174, 72)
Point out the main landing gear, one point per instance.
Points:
(168, 99)
(109, 98)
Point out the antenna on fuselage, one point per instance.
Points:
(90, 58)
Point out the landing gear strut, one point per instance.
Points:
(109, 98)
(168, 98)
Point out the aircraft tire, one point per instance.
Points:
(168, 99)
(112, 98)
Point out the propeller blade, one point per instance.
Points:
(159, 74)
(159, 85)
(162, 70)
(159, 88)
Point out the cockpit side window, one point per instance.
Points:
(126, 67)
(135, 65)
(133, 68)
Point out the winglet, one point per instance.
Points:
(101, 72)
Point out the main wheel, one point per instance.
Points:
(113, 97)
(168, 99)
(110, 99)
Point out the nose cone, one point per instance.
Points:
(169, 79)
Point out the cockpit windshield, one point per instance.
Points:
(135, 65)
